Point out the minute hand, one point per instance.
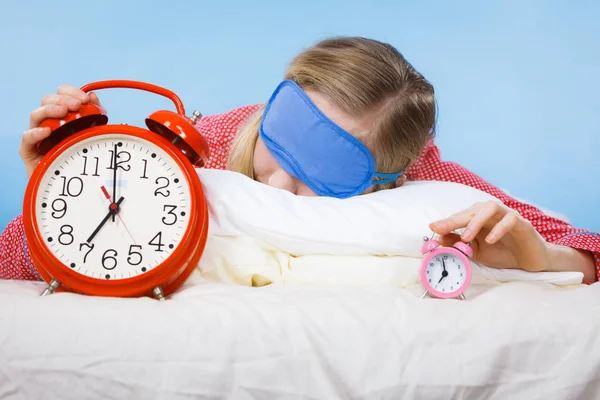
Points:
(444, 272)
(114, 193)
(112, 211)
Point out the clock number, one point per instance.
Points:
(66, 231)
(113, 259)
(121, 156)
(170, 212)
(90, 246)
(132, 252)
(70, 188)
(145, 167)
(57, 210)
(157, 241)
(85, 166)
(159, 190)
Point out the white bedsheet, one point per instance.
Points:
(215, 341)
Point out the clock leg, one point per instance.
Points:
(158, 293)
(426, 294)
(462, 297)
(54, 284)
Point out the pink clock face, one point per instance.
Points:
(446, 273)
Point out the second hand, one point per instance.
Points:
(107, 195)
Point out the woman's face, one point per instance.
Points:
(268, 171)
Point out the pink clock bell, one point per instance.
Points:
(445, 271)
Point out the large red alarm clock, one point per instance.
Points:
(118, 210)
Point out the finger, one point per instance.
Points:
(47, 111)
(455, 221)
(71, 103)
(93, 98)
(29, 141)
(480, 219)
(449, 239)
(505, 225)
(73, 92)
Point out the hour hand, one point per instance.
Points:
(111, 212)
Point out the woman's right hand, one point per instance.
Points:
(67, 98)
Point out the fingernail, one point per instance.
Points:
(467, 234)
(490, 238)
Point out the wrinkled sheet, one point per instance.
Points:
(518, 340)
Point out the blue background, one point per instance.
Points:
(516, 81)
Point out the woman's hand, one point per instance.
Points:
(500, 237)
(67, 98)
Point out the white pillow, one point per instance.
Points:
(259, 231)
(388, 222)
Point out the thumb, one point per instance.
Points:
(28, 150)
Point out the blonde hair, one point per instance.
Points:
(359, 76)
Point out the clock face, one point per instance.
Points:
(113, 206)
(446, 273)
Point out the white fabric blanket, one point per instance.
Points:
(213, 341)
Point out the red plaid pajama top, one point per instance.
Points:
(15, 261)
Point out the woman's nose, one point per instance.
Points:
(282, 180)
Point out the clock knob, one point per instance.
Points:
(196, 115)
(464, 248)
(429, 245)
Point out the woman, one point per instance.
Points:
(352, 116)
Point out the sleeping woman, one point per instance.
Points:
(351, 116)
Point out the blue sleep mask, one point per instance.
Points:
(312, 148)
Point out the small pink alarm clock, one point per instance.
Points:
(445, 271)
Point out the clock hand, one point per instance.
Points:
(444, 272)
(117, 212)
(112, 210)
(114, 192)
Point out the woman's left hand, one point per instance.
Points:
(500, 236)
